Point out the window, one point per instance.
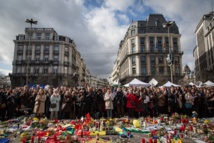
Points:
(56, 48)
(167, 49)
(46, 57)
(66, 70)
(142, 48)
(46, 48)
(152, 49)
(66, 49)
(55, 70)
(133, 61)
(132, 32)
(133, 70)
(47, 36)
(143, 60)
(176, 60)
(143, 69)
(38, 48)
(142, 41)
(168, 70)
(20, 47)
(37, 58)
(19, 57)
(56, 58)
(39, 36)
(151, 40)
(175, 41)
(36, 70)
(133, 45)
(19, 69)
(177, 70)
(160, 59)
(166, 40)
(161, 70)
(45, 70)
(175, 48)
(159, 40)
(153, 70)
(152, 59)
(66, 59)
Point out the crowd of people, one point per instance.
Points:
(71, 103)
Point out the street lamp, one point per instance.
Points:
(170, 57)
(31, 21)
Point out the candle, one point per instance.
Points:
(175, 132)
(32, 139)
(150, 140)
(143, 140)
(155, 140)
(190, 128)
(181, 136)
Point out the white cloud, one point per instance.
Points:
(121, 5)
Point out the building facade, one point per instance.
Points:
(143, 51)
(98, 82)
(204, 51)
(49, 58)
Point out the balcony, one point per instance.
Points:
(66, 63)
(66, 53)
(29, 51)
(46, 52)
(55, 62)
(73, 66)
(37, 51)
(20, 51)
(18, 62)
(56, 52)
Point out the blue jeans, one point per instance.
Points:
(109, 113)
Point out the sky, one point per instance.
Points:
(96, 26)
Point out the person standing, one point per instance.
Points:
(130, 103)
(39, 107)
(54, 107)
(108, 98)
(119, 102)
(66, 105)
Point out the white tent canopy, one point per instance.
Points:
(192, 84)
(168, 84)
(136, 82)
(209, 83)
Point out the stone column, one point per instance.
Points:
(42, 52)
(148, 67)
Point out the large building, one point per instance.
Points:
(50, 59)
(204, 51)
(143, 51)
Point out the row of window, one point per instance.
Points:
(152, 30)
(46, 58)
(38, 48)
(153, 70)
(152, 40)
(153, 60)
(45, 70)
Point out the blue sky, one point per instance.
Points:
(97, 26)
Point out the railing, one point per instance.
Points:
(46, 51)
(20, 51)
(55, 52)
(66, 53)
(66, 63)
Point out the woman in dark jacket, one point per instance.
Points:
(119, 103)
(66, 105)
(10, 101)
(80, 104)
(209, 100)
